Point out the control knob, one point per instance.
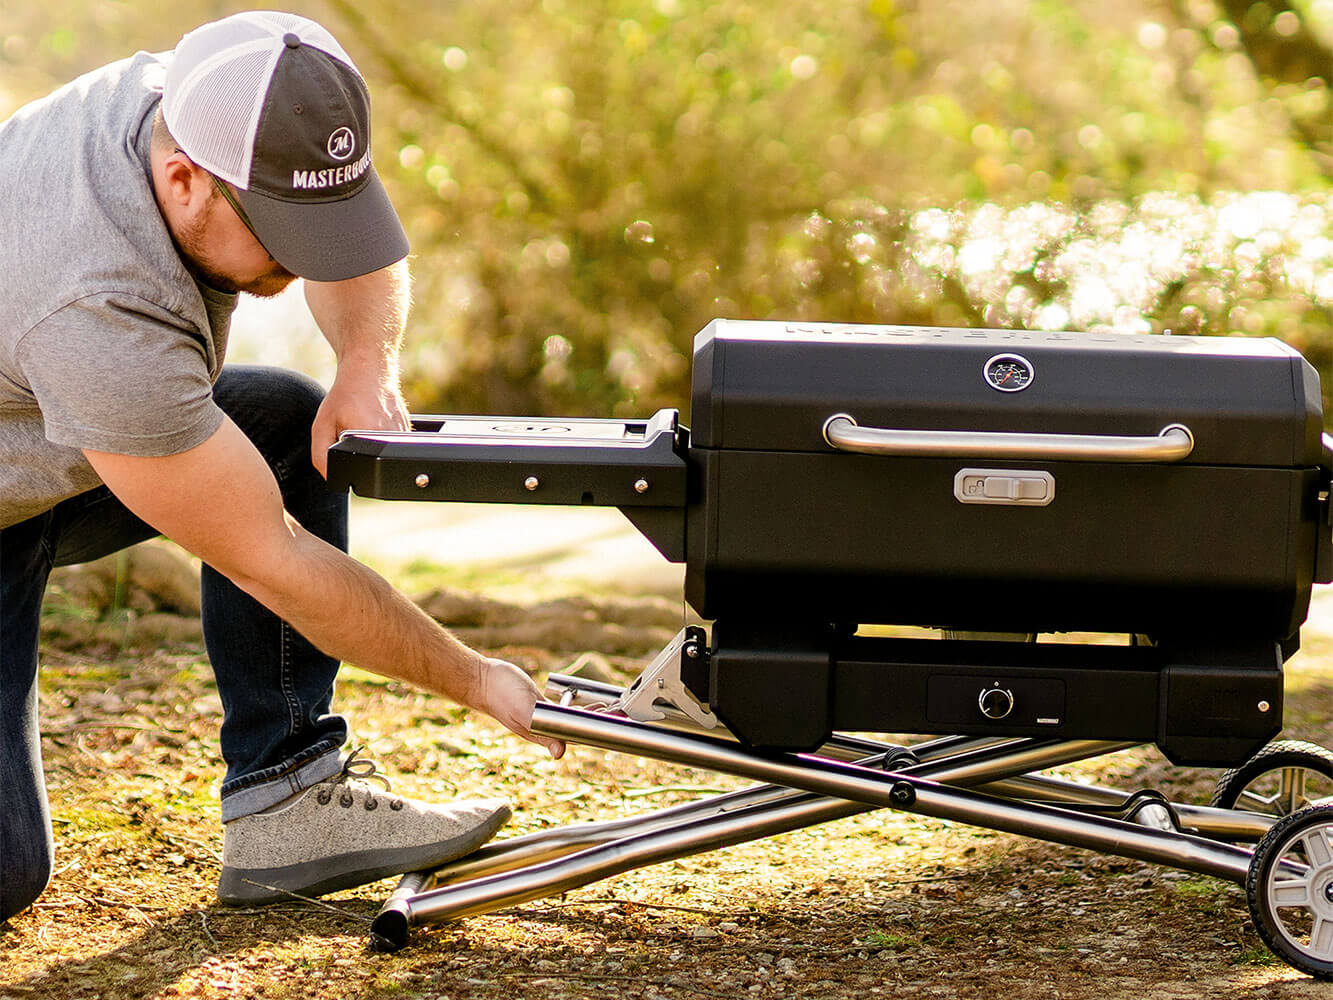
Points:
(996, 702)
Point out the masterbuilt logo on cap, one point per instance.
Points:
(270, 103)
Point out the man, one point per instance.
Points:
(135, 204)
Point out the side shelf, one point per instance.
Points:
(635, 465)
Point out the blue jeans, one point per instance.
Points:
(277, 734)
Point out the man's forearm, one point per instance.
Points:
(363, 318)
(220, 501)
(350, 612)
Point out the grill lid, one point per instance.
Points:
(774, 386)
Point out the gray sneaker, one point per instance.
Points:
(342, 833)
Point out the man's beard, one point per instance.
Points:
(190, 242)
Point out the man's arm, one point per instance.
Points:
(220, 502)
(363, 320)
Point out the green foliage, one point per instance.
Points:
(588, 182)
(612, 175)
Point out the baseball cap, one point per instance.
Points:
(271, 103)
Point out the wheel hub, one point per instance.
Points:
(1318, 901)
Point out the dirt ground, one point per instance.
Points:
(876, 905)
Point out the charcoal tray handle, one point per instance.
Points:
(1172, 444)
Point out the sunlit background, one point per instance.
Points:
(588, 182)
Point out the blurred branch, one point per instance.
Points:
(432, 96)
(1291, 55)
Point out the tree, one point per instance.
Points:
(1294, 61)
(588, 182)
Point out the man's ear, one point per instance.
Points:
(188, 185)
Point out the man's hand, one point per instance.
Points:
(362, 319)
(509, 696)
(360, 399)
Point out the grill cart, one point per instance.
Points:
(1028, 548)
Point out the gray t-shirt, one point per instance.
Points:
(106, 341)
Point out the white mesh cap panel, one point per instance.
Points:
(310, 32)
(216, 112)
(217, 81)
(278, 23)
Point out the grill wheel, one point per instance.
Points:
(1282, 778)
(1289, 889)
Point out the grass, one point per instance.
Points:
(1257, 956)
(893, 942)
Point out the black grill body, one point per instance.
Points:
(1224, 538)
(987, 503)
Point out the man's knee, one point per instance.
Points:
(271, 394)
(301, 395)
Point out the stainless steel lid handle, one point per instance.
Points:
(1172, 444)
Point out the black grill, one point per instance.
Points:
(1155, 508)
